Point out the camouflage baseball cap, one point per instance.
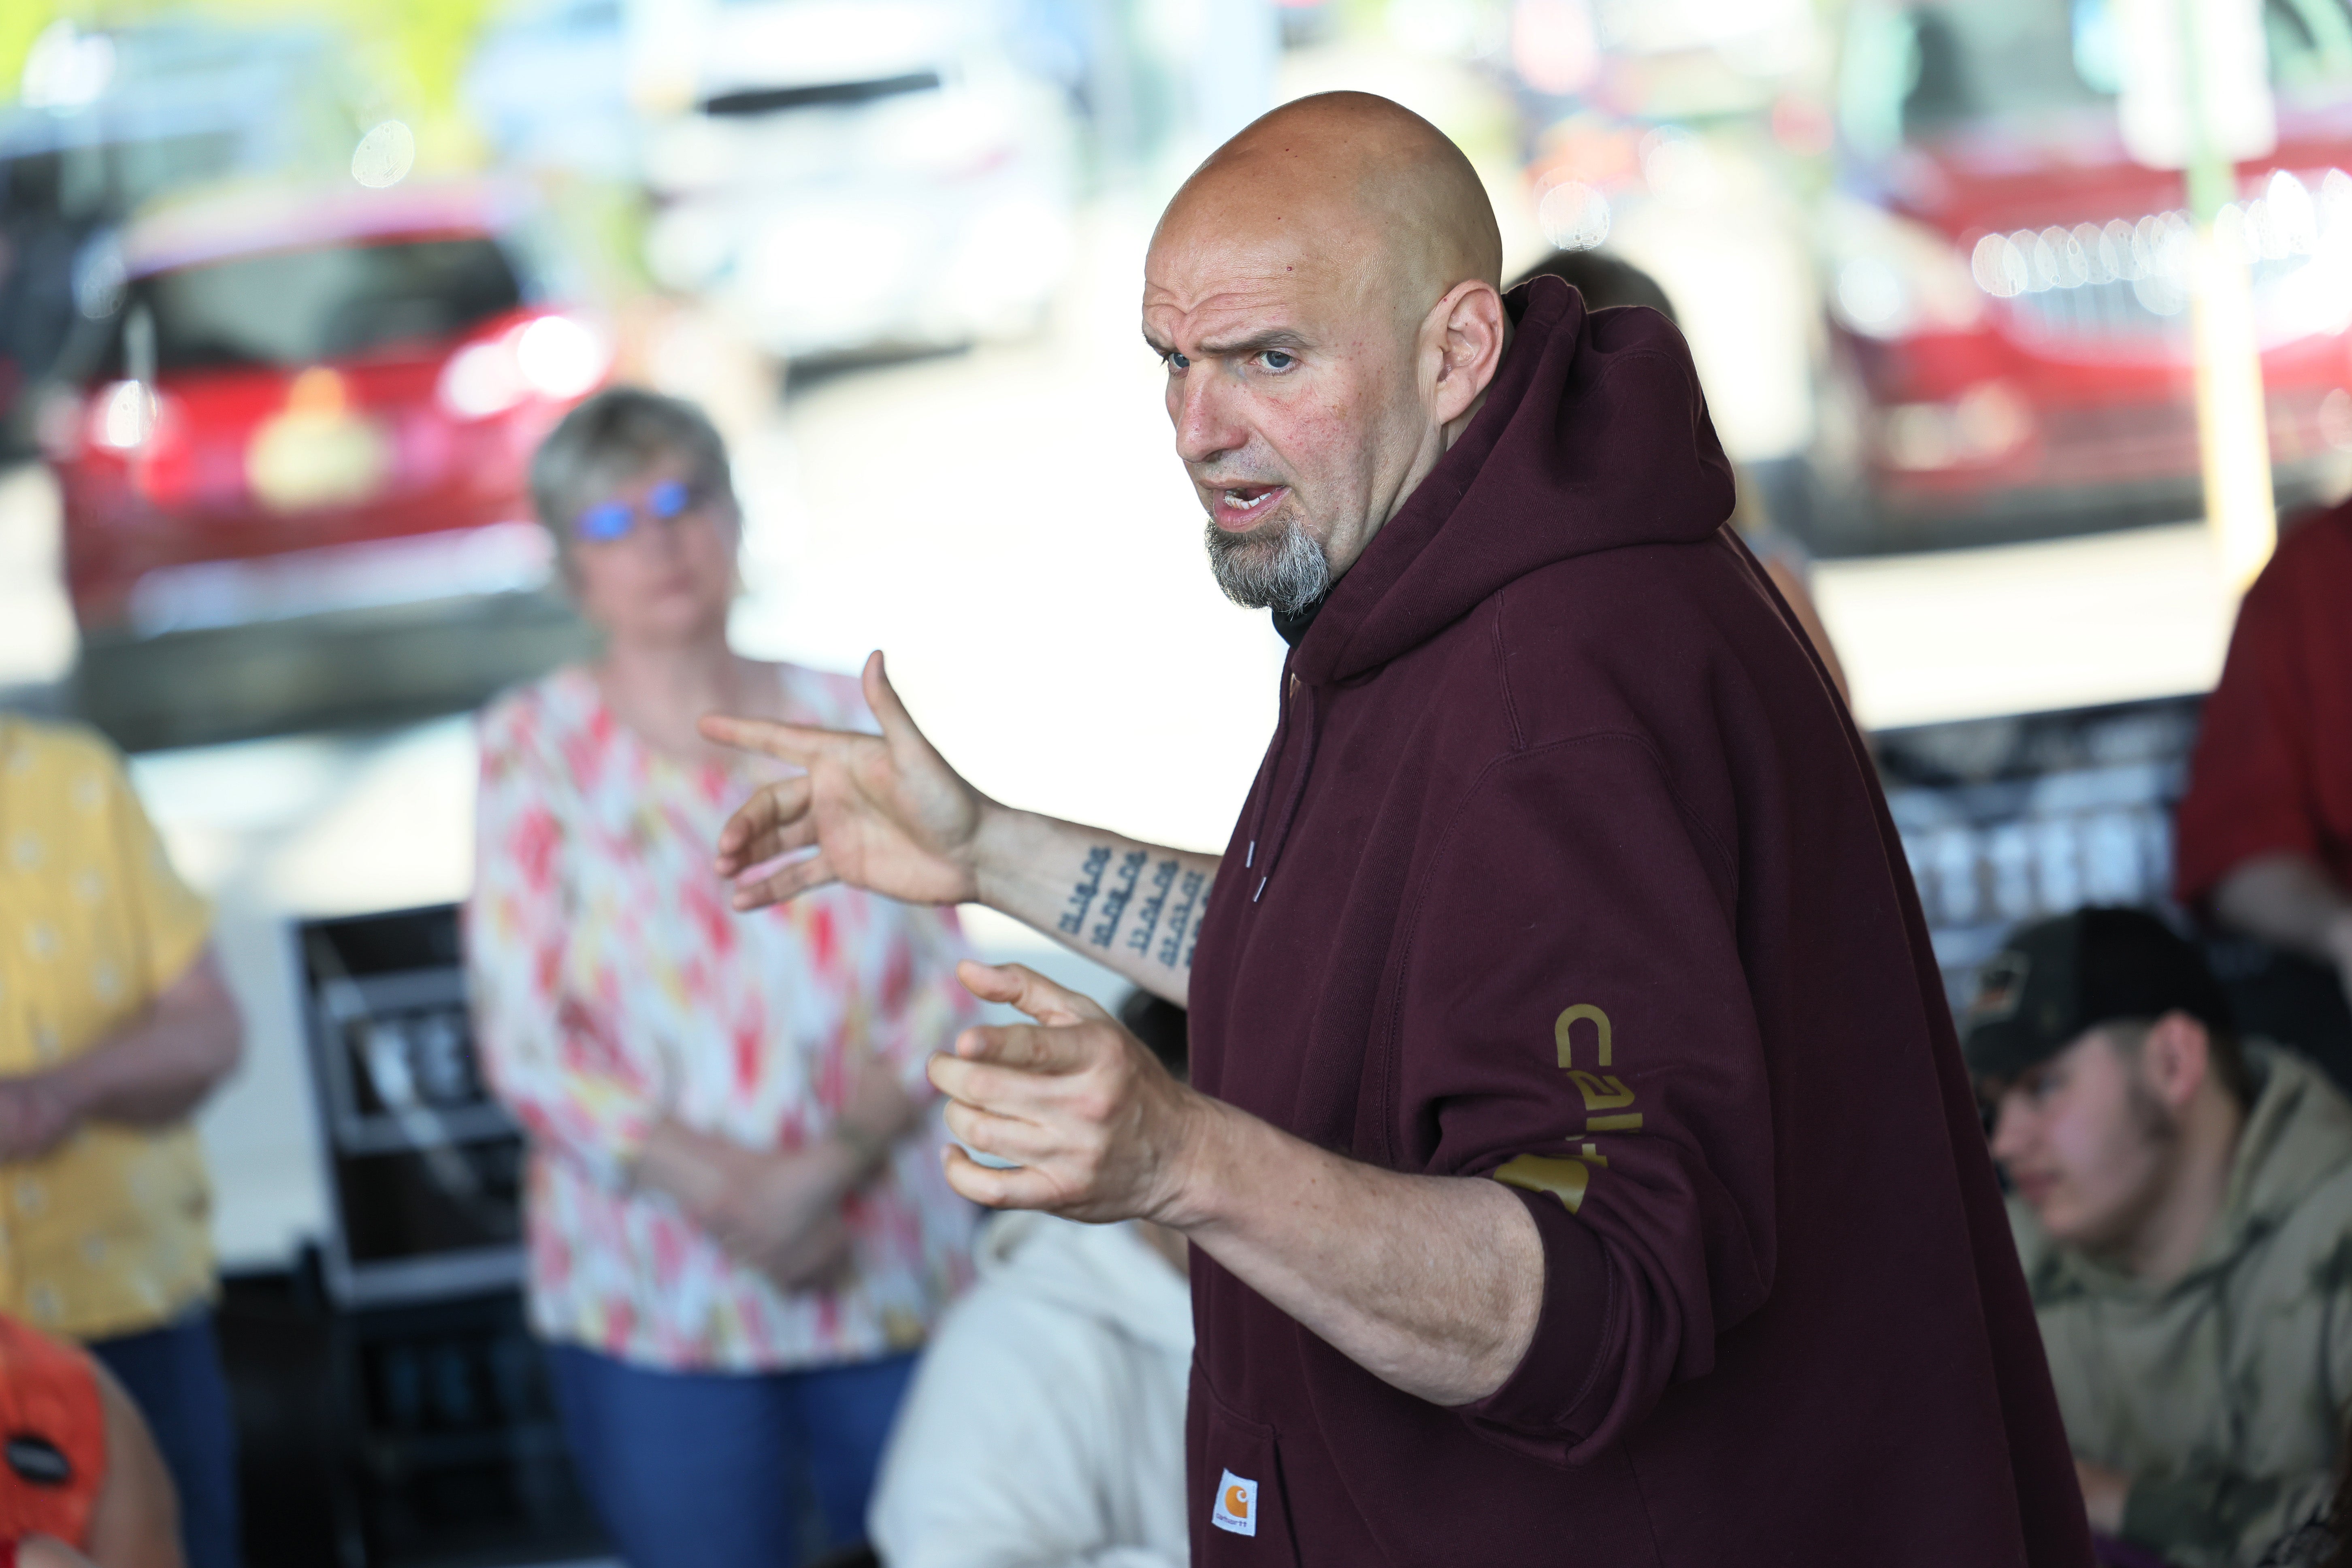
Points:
(2055, 980)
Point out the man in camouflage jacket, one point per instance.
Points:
(2184, 1210)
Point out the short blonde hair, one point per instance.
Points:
(611, 439)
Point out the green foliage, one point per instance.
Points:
(417, 49)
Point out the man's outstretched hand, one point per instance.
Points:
(882, 812)
(1099, 1129)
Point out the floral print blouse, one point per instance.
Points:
(613, 985)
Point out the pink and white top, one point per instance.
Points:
(613, 985)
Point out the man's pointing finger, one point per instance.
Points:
(796, 743)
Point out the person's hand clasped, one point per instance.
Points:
(777, 1211)
(1098, 1129)
(882, 812)
(35, 1116)
(781, 1214)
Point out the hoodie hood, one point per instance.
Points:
(1594, 435)
(1104, 1273)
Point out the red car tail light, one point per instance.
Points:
(556, 357)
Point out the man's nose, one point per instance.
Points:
(2008, 1129)
(1206, 425)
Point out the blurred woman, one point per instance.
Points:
(738, 1227)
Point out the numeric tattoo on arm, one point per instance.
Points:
(1114, 904)
(1147, 919)
(1190, 892)
(1164, 899)
(1082, 895)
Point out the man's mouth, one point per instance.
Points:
(2033, 1186)
(1240, 508)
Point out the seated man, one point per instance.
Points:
(2184, 1208)
(80, 1483)
(2265, 829)
(1046, 1425)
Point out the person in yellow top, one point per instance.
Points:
(114, 1025)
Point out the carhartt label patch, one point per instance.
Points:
(1236, 1507)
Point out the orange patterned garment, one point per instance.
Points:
(53, 1434)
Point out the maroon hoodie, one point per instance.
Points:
(1566, 867)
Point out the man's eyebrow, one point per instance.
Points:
(1255, 343)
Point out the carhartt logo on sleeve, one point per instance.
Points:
(1236, 1507)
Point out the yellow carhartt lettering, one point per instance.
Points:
(1567, 1021)
(1601, 1093)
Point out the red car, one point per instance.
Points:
(2009, 324)
(312, 413)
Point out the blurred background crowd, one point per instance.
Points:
(291, 291)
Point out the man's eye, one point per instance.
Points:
(1178, 361)
(1275, 359)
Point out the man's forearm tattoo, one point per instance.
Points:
(1165, 920)
(1189, 893)
(1082, 896)
(1147, 919)
(1114, 905)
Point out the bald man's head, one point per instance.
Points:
(1362, 180)
(1325, 291)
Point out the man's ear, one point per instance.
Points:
(2176, 1057)
(1468, 333)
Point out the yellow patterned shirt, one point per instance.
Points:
(109, 1233)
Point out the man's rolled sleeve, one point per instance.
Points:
(1553, 1397)
(1574, 1022)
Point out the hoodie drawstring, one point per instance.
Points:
(1299, 690)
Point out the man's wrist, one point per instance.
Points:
(1207, 1147)
(1003, 846)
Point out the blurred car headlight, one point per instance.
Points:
(1893, 278)
(123, 415)
(481, 380)
(557, 357)
(1985, 423)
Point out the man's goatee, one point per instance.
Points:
(1284, 572)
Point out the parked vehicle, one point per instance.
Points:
(108, 120)
(856, 176)
(2006, 289)
(312, 412)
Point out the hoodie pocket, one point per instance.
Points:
(1243, 1516)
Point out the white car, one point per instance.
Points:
(861, 177)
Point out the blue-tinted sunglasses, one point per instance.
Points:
(608, 520)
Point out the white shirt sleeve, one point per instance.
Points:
(998, 1459)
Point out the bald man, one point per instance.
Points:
(1579, 1166)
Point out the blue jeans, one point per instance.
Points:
(174, 1375)
(691, 1469)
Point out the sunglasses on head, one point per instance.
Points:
(608, 520)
